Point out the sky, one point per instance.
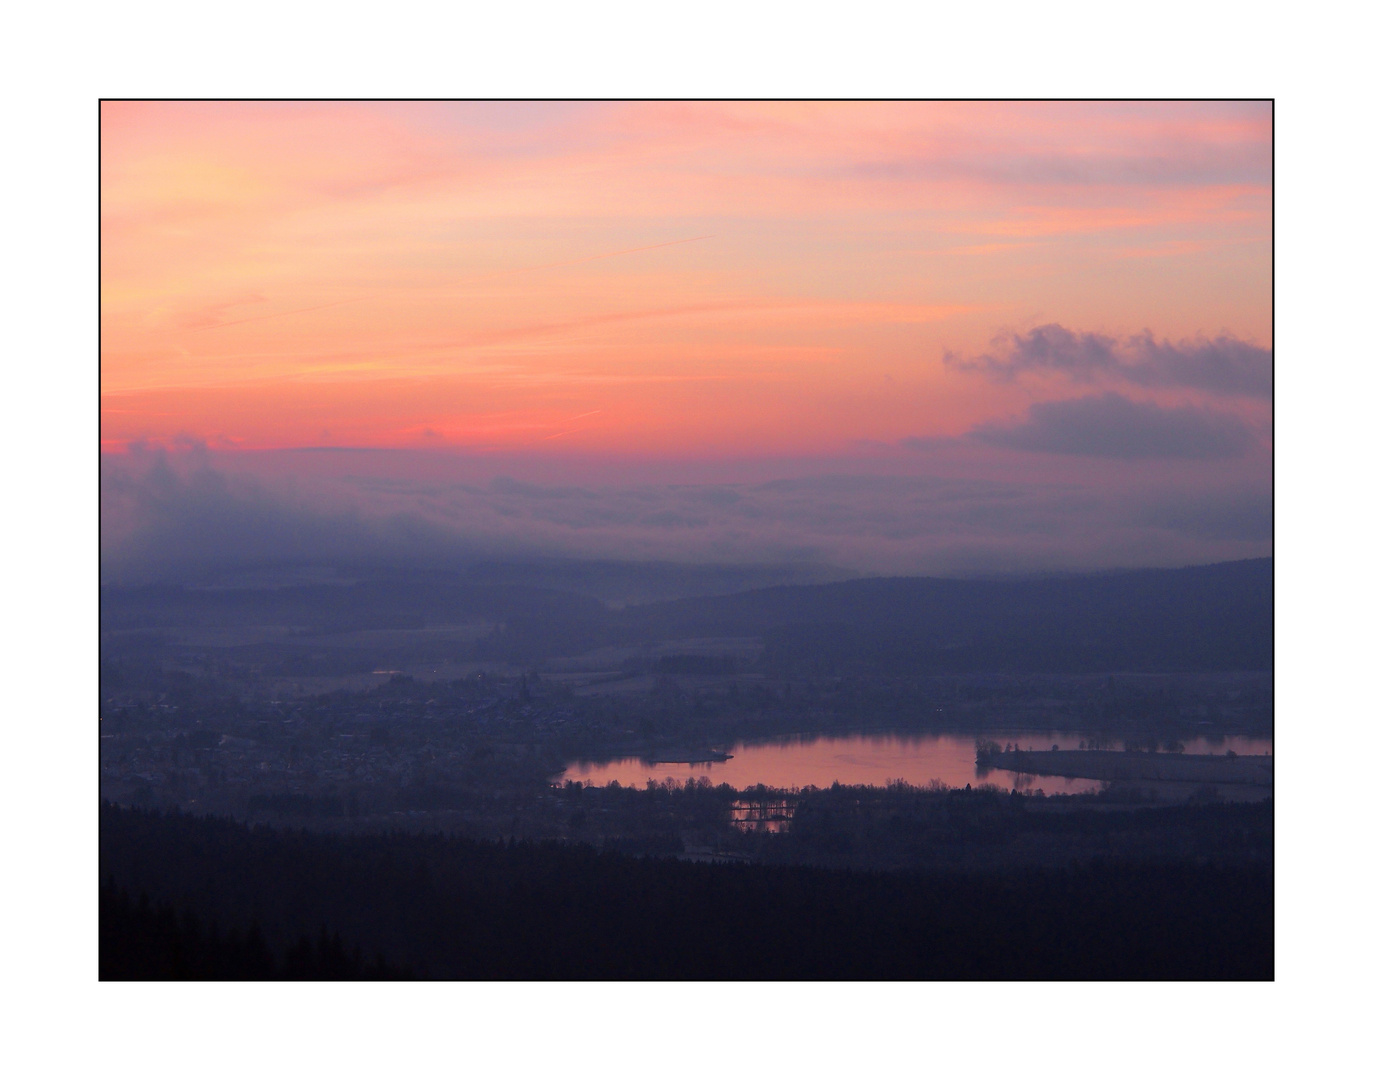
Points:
(941, 337)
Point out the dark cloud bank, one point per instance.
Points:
(1223, 365)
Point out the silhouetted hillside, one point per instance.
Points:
(454, 908)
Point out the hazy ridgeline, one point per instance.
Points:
(1214, 618)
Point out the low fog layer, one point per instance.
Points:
(167, 516)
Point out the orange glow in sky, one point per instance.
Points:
(665, 279)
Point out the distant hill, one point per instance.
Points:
(1205, 618)
(1198, 619)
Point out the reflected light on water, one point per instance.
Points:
(876, 759)
(762, 815)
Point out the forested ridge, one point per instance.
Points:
(380, 905)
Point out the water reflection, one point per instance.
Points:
(920, 760)
(762, 815)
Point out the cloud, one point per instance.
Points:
(1112, 426)
(1221, 365)
(1248, 164)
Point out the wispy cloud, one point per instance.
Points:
(582, 261)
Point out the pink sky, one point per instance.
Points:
(1040, 293)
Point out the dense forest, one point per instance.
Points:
(141, 941)
(187, 897)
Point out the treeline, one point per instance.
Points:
(891, 829)
(901, 827)
(446, 907)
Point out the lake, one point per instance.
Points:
(876, 759)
